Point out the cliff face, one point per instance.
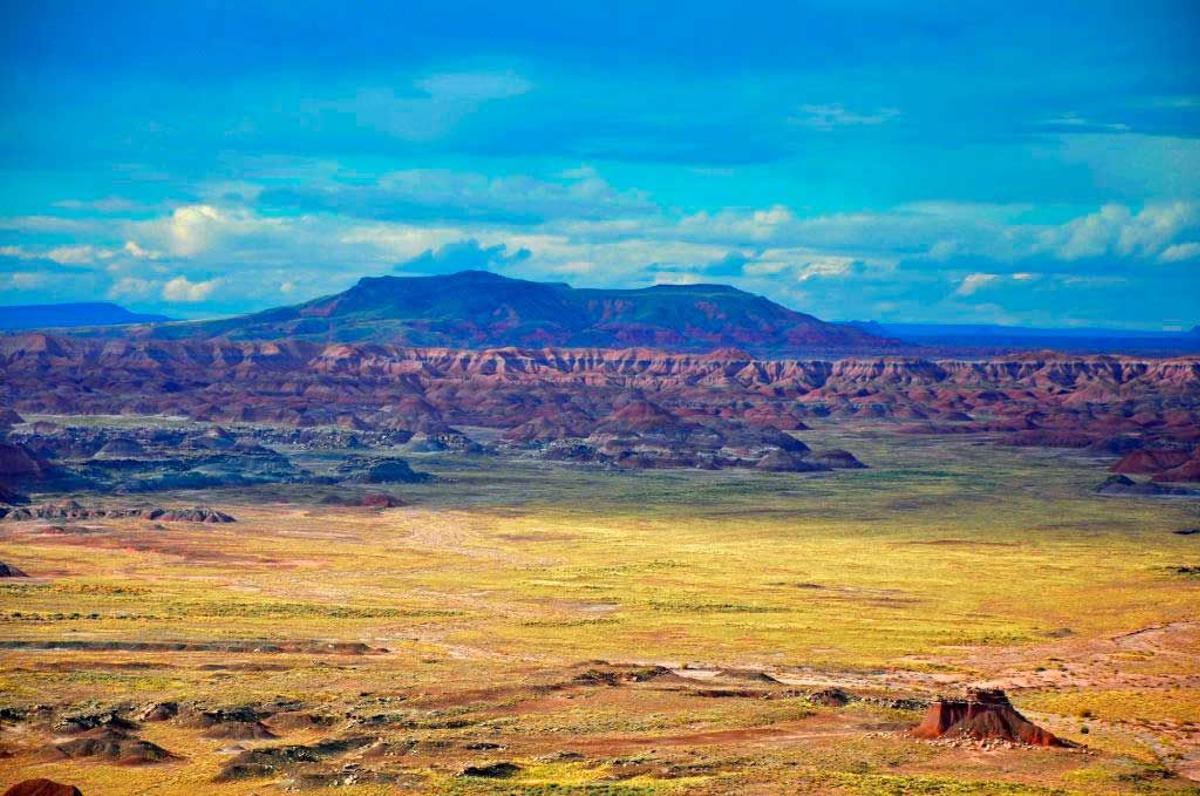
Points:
(1079, 399)
(28, 353)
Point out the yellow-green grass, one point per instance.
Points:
(503, 571)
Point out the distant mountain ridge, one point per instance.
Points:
(479, 309)
(64, 316)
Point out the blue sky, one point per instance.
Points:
(1021, 163)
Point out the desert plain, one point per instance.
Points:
(523, 626)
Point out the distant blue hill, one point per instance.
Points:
(58, 316)
(992, 338)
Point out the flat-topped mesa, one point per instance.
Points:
(982, 715)
(473, 309)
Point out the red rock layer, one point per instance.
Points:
(1039, 400)
(982, 715)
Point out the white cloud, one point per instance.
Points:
(1116, 230)
(829, 116)
(67, 254)
(76, 255)
(675, 278)
(22, 280)
(132, 248)
(803, 266)
(1179, 252)
(399, 241)
(182, 289)
(972, 283)
(1075, 122)
(825, 267)
(192, 227)
(134, 286)
(756, 225)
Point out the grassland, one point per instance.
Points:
(948, 562)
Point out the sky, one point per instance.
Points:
(1017, 163)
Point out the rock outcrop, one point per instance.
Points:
(1149, 462)
(17, 463)
(42, 787)
(70, 510)
(115, 745)
(1124, 485)
(9, 571)
(982, 715)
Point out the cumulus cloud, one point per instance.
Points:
(182, 289)
(465, 255)
(192, 227)
(1116, 229)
